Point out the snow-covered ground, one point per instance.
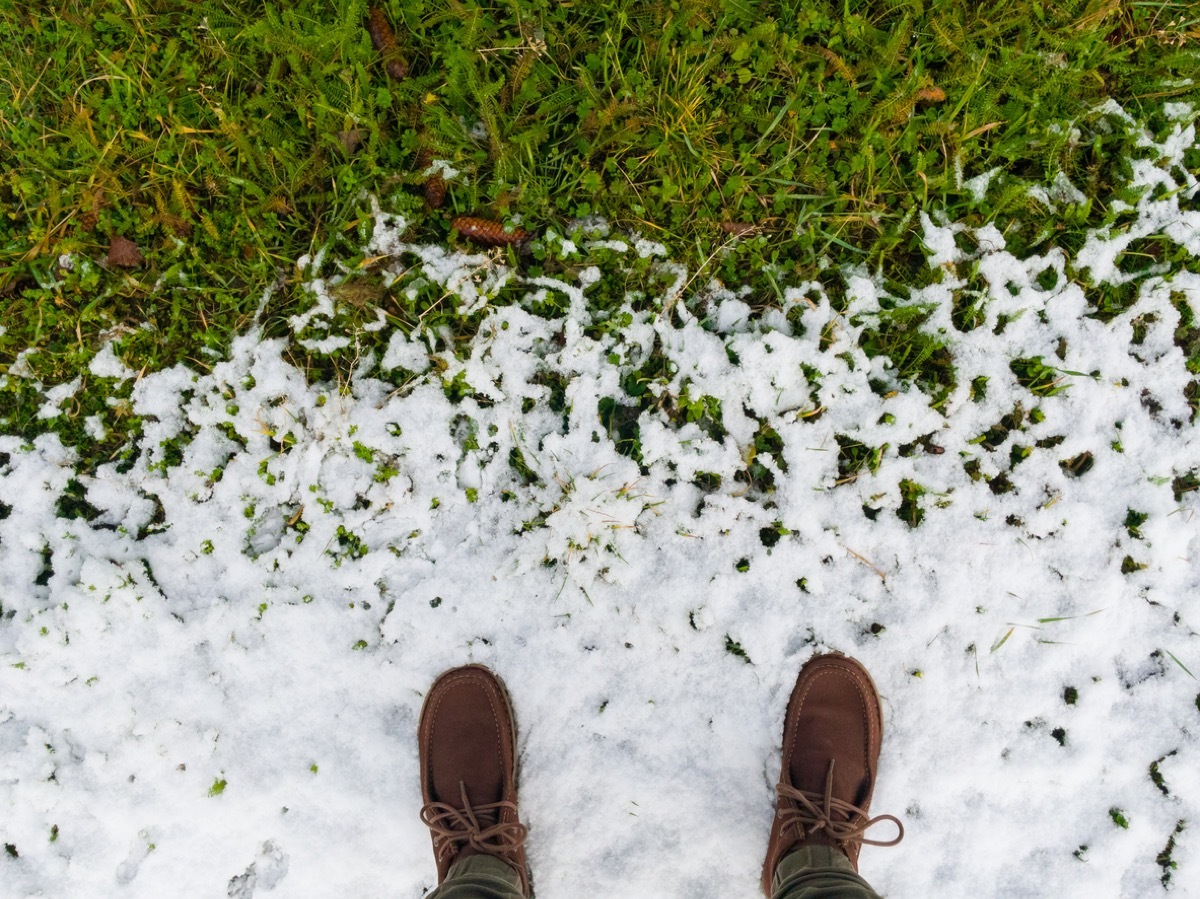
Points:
(212, 687)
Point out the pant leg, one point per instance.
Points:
(819, 872)
(480, 877)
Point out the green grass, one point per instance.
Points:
(226, 138)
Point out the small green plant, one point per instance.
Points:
(734, 648)
(770, 536)
(1165, 859)
(621, 424)
(918, 356)
(349, 546)
(855, 457)
(1039, 378)
(1133, 523)
(910, 511)
(1156, 775)
(1185, 483)
(767, 445)
(385, 472)
(218, 786)
(705, 412)
(1129, 565)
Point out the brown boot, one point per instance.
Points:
(468, 749)
(831, 739)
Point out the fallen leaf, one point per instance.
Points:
(124, 253)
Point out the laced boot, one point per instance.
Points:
(467, 742)
(831, 740)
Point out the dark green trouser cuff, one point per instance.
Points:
(819, 872)
(480, 877)
(813, 872)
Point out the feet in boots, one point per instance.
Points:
(831, 741)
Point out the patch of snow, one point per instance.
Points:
(56, 396)
(106, 364)
(441, 167)
(978, 186)
(93, 426)
(645, 248)
(20, 367)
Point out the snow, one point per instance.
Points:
(1061, 191)
(441, 167)
(978, 186)
(106, 364)
(212, 687)
(56, 396)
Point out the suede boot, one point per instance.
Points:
(831, 739)
(467, 743)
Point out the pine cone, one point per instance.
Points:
(489, 233)
(435, 192)
(383, 39)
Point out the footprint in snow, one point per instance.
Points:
(264, 873)
(128, 869)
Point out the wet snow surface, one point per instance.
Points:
(212, 663)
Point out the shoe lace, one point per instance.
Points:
(456, 828)
(843, 821)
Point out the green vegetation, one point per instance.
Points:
(183, 156)
(1133, 523)
(734, 648)
(1165, 858)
